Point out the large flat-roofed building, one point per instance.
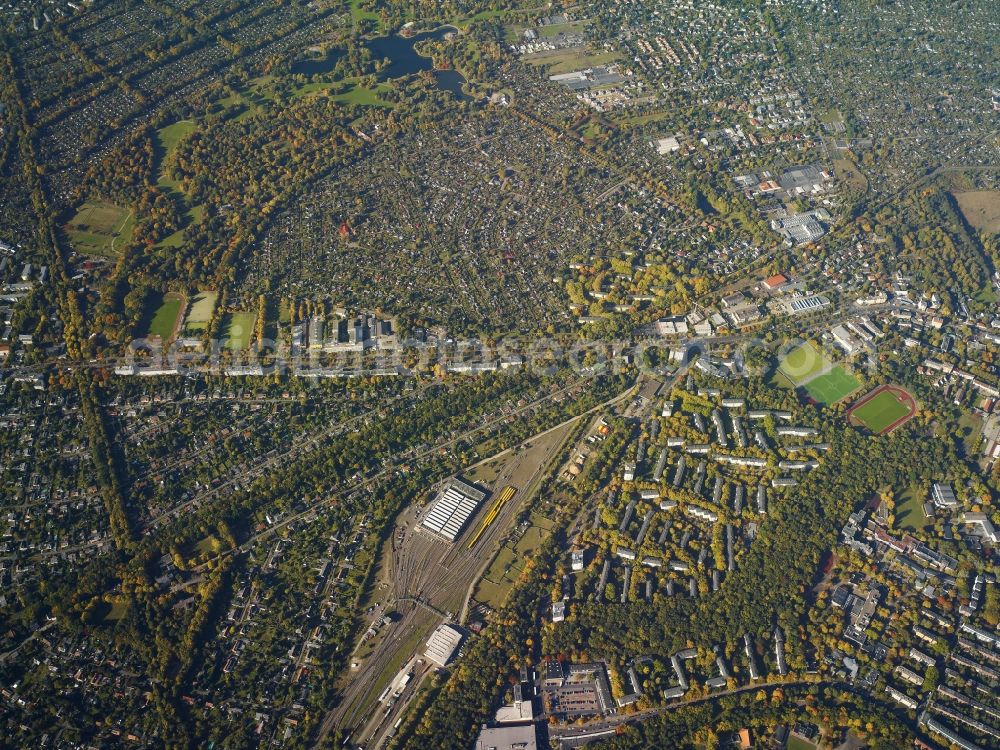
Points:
(801, 228)
(805, 179)
(806, 304)
(580, 690)
(443, 644)
(452, 509)
(943, 495)
(507, 738)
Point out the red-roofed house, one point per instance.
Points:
(775, 282)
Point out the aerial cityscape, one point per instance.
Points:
(500, 374)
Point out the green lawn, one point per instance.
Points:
(167, 139)
(639, 120)
(881, 411)
(832, 386)
(507, 566)
(802, 363)
(116, 611)
(352, 93)
(797, 743)
(971, 431)
(200, 312)
(492, 588)
(831, 115)
(910, 511)
(238, 329)
(100, 228)
(193, 215)
(359, 14)
(533, 536)
(562, 28)
(165, 318)
(493, 594)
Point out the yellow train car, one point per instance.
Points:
(502, 499)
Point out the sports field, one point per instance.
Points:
(832, 386)
(200, 312)
(239, 327)
(100, 228)
(164, 319)
(884, 409)
(802, 363)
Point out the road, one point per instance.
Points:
(488, 541)
(392, 467)
(6, 655)
(301, 446)
(567, 733)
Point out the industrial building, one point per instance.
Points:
(804, 227)
(805, 304)
(443, 644)
(452, 509)
(507, 738)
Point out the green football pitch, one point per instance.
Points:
(832, 386)
(882, 411)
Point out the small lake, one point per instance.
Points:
(403, 60)
(318, 65)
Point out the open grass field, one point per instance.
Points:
(533, 536)
(100, 228)
(200, 312)
(486, 473)
(971, 431)
(573, 27)
(797, 743)
(359, 13)
(238, 328)
(640, 120)
(493, 588)
(573, 58)
(832, 386)
(167, 139)
(163, 319)
(495, 585)
(850, 176)
(193, 215)
(116, 611)
(910, 511)
(802, 363)
(350, 94)
(981, 208)
(883, 410)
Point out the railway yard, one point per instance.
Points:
(425, 580)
